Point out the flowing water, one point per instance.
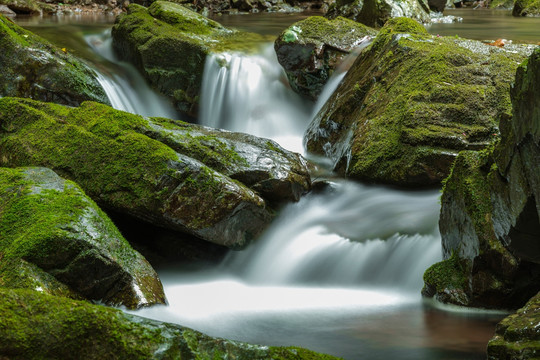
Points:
(338, 272)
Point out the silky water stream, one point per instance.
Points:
(338, 272)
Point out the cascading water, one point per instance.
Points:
(125, 87)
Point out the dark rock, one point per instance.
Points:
(517, 337)
(201, 181)
(437, 5)
(490, 212)
(376, 13)
(526, 8)
(55, 239)
(310, 50)
(33, 68)
(169, 43)
(411, 102)
(36, 325)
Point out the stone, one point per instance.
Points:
(168, 43)
(376, 13)
(311, 50)
(56, 240)
(517, 336)
(526, 8)
(36, 325)
(490, 212)
(6, 11)
(411, 102)
(33, 68)
(179, 176)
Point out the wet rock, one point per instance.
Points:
(27, 7)
(56, 240)
(490, 212)
(411, 102)
(36, 325)
(376, 13)
(526, 8)
(6, 11)
(517, 337)
(310, 50)
(437, 5)
(200, 181)
(33, 68)
(169, 43)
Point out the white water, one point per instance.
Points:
(125, 87)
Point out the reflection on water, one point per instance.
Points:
(490, 25)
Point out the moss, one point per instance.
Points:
(526, 8)
(410, 103)
(448, 274)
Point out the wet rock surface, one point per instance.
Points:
(490, 212)
(33, 68)
(169, 43)
(311, 50)
(55, 239)
(192, 180)
(411, 102)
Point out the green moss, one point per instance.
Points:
(526, 8)
(448, 274)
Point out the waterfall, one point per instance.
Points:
(125, 87)
(352, 235)
(250, 93)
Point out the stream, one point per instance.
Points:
(340, 271)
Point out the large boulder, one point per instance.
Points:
(55, 239)
(517, 337)
(310, 50)
(490, 211)
(184, 177)
(169, 43)
(526, 8)
(411, 102)
(376, 13)
(33, 68)
(41, 326)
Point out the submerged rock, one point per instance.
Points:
(175, 175)
(310, 50)
(517, 337)
(411, 102)
(36, 325)
(33, 68)
(490, 210)
(55, 239)
(526, 8)
(169, 43)
(376, 13)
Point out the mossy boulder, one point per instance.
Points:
(175, 175)
(22, 6)
(517, 337)
(55, 239)
(33, 68)
(36, 325)
(376, 13)
(526, 8)
(411, 102)
(310, 50)
(169, 43)
(490, 212)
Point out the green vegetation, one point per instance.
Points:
(526, 8)
(449, 274)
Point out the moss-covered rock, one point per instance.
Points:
(189, 181)
(22, 6)
(169, 43)
(526, 8)
(490, 212)
(517, 337)
(411, 102)
(311, 49)
(33, 68)
(55, 239)
(36, 325)
(376, 13)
